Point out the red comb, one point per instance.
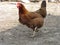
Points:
(17, 3)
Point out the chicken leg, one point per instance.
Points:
(34, 32)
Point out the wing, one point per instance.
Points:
(33, 15)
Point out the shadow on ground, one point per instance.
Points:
(49, 34)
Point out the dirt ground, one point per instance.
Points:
(14, 33)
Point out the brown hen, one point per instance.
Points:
(32, 20)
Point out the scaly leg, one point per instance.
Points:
(34, 32)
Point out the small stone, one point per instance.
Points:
(2, 39)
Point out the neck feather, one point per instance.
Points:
(23, 10)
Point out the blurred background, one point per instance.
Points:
(30, 0)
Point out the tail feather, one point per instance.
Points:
(42, 10)
(43, 4)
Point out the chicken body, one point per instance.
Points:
(33, 20)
